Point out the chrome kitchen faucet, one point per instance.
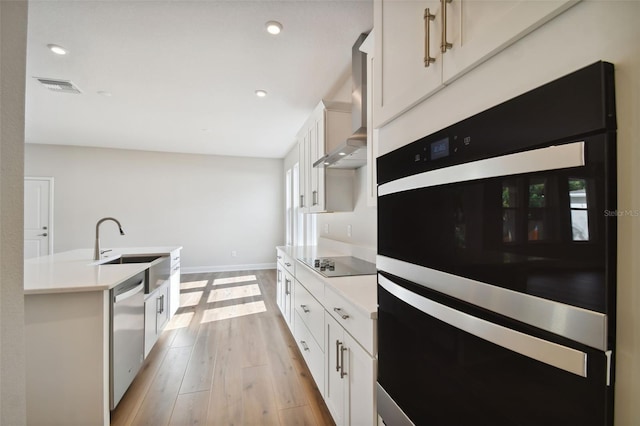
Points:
(96, 253)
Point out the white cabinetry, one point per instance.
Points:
(156, 316)
(336, 338)
(469, 32)
(284, 286)
(324, 190)
(349, 378)
(174, 282)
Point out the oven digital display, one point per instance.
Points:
(440, 149)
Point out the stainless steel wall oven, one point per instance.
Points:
(497, 264)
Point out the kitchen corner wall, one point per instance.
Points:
(363, 219)
(210, 205)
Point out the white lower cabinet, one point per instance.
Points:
(174, 282)
(280, 286)
(156, 316)
(337, 341)
(349, 378)
(311, 351)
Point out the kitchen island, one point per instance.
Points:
(67, 333)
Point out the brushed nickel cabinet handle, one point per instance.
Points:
(305, 309)
(428, 17)
(287, 263)
(445, 44)
(314, 199)
(338, 343)
(342, 372)
(301, 200)
(287, 283)
(42, 235)
(304, 345)
(341, 313)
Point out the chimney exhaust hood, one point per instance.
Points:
(352, 153)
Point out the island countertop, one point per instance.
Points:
(76, 271)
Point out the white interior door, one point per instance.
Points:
(38, 217)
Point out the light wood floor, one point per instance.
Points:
(226, 358)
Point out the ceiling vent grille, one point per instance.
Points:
(63, 86)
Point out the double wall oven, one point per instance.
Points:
(497, 264)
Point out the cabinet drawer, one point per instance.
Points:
(310, 311)
(286, 261)
(356, 323)
(311, 352)
(311, 281)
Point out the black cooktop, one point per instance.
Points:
(341, 266)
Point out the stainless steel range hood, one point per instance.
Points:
(352, 153)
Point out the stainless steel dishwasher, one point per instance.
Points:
(127, 335)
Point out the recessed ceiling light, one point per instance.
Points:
(58, 50)
(274, 27)
(261, 93)
(104, 93)
(342, 153)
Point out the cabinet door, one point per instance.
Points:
(304, 178)
(478, 30)
(361, 373)
(317, 142)
(163, 307)
(402, 79)
(280, 287)
(288, 299)
(334, 385)
(150, 323)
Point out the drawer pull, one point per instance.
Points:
(304, 345)
(287, 263)
(341, 313)
(338, 343)
(287, 282)
(445, 45)
(428, 17)
(342, 372)
(305, 309)
(279, 257)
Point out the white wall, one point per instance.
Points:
(590, 31)
(13, 47)
(211, 205)
(363, 219)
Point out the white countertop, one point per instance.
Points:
(76, 271)
(361, 290)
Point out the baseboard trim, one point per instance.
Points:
(226, 268)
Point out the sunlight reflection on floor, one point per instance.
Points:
(231, 280)
(234, 293)
(233, 311)
(193, 284)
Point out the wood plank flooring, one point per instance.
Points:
(226, 358)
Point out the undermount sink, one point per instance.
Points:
(131, 259)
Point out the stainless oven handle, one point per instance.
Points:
(537, 160)
(550, 353)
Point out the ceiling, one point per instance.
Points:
(182, 75)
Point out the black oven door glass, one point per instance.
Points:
(440, 375)
(543, 233)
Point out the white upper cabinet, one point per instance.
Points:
(456, 36)
(325, 190)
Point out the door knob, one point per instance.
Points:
(42, 235)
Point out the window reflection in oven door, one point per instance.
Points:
(442, 362)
